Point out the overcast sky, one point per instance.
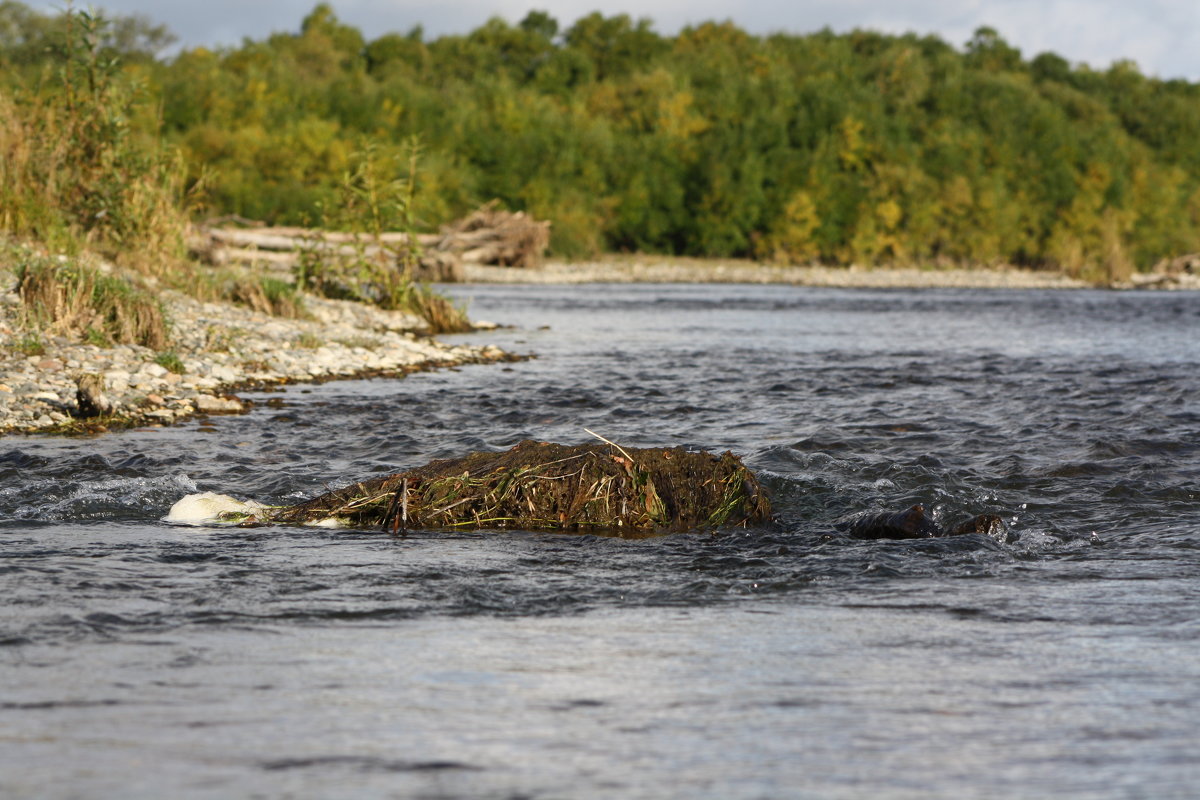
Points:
(1162, 36)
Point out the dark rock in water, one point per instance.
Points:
(90, 396)
(987, 524)
(914, 523)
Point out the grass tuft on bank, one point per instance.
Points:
(63, 297)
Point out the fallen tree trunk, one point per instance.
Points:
(438, 266)
(541, 486)
(488, 236)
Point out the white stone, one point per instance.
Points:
(217, 405)
(153, 370)
(117, 380)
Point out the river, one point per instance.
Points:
(146, 660)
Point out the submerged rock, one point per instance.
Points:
(915, 523)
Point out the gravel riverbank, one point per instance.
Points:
(635, 269)
(220, 348)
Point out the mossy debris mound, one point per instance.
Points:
(600, 488)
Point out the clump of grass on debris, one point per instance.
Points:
(599, 488)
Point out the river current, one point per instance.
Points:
(145, 660)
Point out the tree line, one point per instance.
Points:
(829, 147)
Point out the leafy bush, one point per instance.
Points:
(81, 162)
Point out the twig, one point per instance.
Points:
(398, 516)
(614, 444)
(404, 505)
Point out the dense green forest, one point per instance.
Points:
(839, 148)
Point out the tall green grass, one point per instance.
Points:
(371, 203)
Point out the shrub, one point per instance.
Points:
(75, 168)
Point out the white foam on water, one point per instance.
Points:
(207, 508)
(55, 499)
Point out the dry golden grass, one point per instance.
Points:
(268, 296)
(69, 299)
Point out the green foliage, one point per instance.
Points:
(30, 344)
(82, 164)
(842, 148)
(372, 200)
(170, 361)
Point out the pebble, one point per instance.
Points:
(38, 391)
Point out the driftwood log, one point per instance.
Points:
(487, 236)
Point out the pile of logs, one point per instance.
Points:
(493, 236)
(487, 236)
(1180, 272)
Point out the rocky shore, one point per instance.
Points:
(216, 350)
(219, 349)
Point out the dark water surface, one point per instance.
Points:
(142, 660)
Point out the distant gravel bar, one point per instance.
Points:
(632, 269)
(222, 348)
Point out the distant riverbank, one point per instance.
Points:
(658, 269)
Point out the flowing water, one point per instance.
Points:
(144, 660)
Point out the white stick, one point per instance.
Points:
(614, 444)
